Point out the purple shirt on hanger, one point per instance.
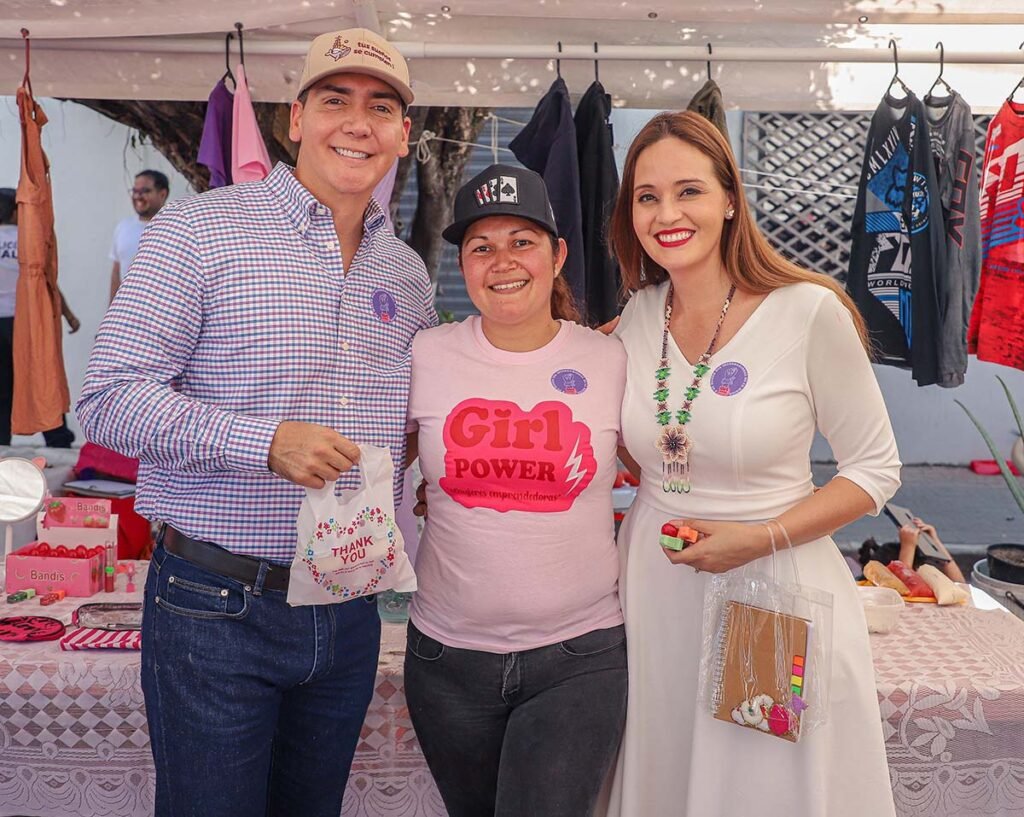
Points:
(215, 144)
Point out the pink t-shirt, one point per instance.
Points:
(519, 453)
(249, 159)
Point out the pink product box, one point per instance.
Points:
(73, 536)
(76, 512)
(76, 577)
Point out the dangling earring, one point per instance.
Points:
(643, 269)
(729, 213)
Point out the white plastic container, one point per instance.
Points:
(882, 608)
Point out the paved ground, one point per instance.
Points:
(970, 512)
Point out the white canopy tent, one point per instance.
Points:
(768, 54)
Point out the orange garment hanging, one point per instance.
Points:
(40, 385)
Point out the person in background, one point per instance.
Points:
(62, 436)
(906, 550)
(149, 193)
(515, 668)
(261, 335)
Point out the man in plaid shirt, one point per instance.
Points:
(261, 333)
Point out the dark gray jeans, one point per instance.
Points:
(525, 734)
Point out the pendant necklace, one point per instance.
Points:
(673, 442)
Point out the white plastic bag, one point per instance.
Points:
(350, 546)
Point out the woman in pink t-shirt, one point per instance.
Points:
(515, 671)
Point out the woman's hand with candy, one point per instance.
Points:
(722, 546)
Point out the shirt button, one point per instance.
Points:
(343, 401)
(345, 346)
(329, 245)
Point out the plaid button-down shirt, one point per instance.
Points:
(237, 314)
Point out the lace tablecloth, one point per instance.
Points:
(951, 692)
(73, 736)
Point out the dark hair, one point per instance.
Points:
(160, 181)
(563, 305)
(8, 204)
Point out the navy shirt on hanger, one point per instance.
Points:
(897, 258)
(599, 184)
(547, 145)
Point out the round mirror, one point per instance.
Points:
(22, 489)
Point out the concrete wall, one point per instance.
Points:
(93, 164)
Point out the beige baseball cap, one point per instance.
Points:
(359, 51)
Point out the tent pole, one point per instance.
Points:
(544, 51)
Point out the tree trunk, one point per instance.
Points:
(175, 129)
(440, 176)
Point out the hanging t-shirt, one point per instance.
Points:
(599, 185)
(547, 145)
(215, 143)
(951, 128)
(519, 453)
(249, 159)
(708, 103)
(897, 260)
(8, 268)
(125, 243)
(996, 332)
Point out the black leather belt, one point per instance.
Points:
(218, 560)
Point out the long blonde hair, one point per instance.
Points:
(750, 261)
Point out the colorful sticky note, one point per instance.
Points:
(798, 660)
(798, 670)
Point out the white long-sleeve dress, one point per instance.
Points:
(795, 365)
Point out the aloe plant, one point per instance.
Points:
(1011, 480)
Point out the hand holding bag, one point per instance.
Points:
(349, 545)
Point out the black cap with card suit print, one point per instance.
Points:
(501, 190)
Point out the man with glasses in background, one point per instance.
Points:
(149, 194)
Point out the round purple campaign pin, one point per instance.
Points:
(569, 381)
(729, 379)
(384, 306)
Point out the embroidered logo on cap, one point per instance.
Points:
(504, 189)
(384, 306)
(487, 193)
(338, 50)
(729, 379)
(569, 381)
(508, 190)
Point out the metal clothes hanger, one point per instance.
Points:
(241, 44)
(227, 60)
(939, 80)
(896, 76)
(1016, 87)
(25, 81)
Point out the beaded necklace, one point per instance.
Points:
(673, 442)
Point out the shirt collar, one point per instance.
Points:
(300, 206)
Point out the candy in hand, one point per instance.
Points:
(673, 538)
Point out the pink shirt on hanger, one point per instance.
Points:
(249, 159)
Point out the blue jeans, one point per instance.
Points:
(527, 734)
(254, 707)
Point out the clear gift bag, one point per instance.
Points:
(350, 545)
(766, 656)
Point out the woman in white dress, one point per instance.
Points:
(735, 357)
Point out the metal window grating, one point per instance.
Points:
(805, 225)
